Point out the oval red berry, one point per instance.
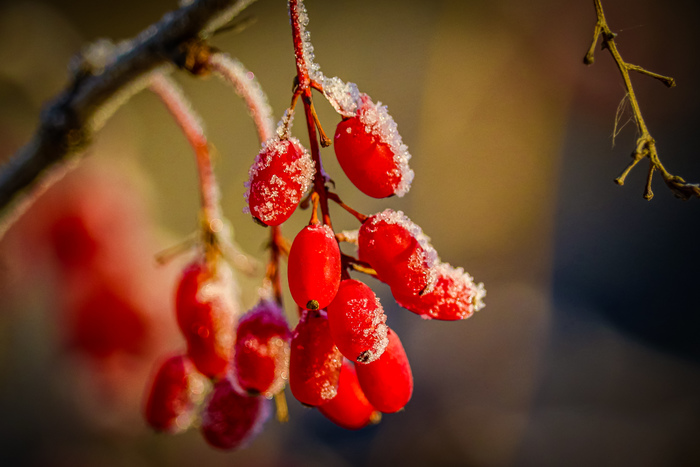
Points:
(387, 382)
(315, 361)
(278, 178)
(171, 403)
(261, 357)
(314, 267)
(349, 409)
(356, 320)
(206, 314)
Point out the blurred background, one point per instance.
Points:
(587, 351)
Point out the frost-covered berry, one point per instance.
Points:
(371, 153)
(314, 267)
(173, 395)
(315, 361)
(206, 312)
(387, 382)
(261, 357)
(349, 409)
(278, 178)
(454, 296)
(399, 251)
(231, 419)
(356, 319)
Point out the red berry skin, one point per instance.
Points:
(171, 404)
(455, 296)
(313, 268)
(395, 254)
(261, 357)
(350, 408)
(230, 419)
(356, 319)
(387, 382)
(278, 178)
(205, 316)
(315, 361)
(366, 160)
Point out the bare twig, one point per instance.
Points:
(98, 87)
(646, 146)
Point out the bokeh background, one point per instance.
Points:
(587, 352)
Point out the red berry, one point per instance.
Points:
(315, 361)
(231, 419)
(314, 267)
(370, 152)
(455, 296)
(399, 251)
(106, 322)
(206, 313)
(356, 319)
(349, 409)
(261, 357)
(387, 382)
(278, 178)
(172, 399)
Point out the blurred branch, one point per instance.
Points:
(103, 77)
(646, 146)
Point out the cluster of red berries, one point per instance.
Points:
(341, 357)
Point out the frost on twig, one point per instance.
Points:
(646, 146)
(100, 82)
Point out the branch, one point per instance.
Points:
(103, 78)
(646, 146)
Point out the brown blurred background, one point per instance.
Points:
(587, 351)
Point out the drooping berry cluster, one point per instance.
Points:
(341, 356)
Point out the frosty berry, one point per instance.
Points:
(176, 388)
(230, 419)
(314, 267)
(399, 251)
(455, 296)
(315, 361)
(278, 178)
(356, 320)
(205, 314)
(261, 357)
(370, 152)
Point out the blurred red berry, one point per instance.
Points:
(261, 357)
(206, 314)
(230, 419)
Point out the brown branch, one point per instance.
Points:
(69, 122)
(646, 146)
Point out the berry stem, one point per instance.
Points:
(334, 197)
(181, 110)
(297, 15)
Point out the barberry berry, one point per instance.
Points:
(231, 419)
(454, 296)
(278, 178)
(399, 251)
(205, 314)
(314, 267)
(356, 320)
(261, 357)
(387, 382)
(370, 152)
(315, 361)
(173, 395)
(350, 408)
